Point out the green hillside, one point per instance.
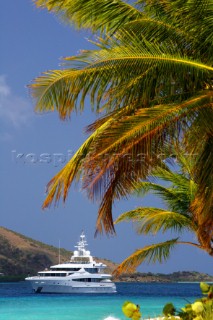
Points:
(23, 255)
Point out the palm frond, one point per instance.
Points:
(193, 17)
(101, 161)
(157, 31)
(121, 74)
(177, 199)
(59, 185)
(153, 253)
(96, 15)
(202, 146)
(180, 192)
(152, 220)
(142, 188)
(144, 125)
(118, 186)
(113, 182)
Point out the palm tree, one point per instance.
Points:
(177, 217)
(150, 80)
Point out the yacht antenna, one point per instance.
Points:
(59, 252)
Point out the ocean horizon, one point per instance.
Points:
(18, 302)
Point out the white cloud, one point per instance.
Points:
(4, 88)
(14, 109)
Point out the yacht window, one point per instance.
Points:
(87, 280)
(52, 274)
(92, 270)
(65, 269)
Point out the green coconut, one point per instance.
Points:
(204, 287)
(169, 309)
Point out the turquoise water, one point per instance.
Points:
(17, 302)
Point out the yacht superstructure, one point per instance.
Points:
(79, 275)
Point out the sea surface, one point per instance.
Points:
(18, 302)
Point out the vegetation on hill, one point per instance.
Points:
(180, 276)
(20, 255)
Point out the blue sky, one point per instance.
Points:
(33, 41)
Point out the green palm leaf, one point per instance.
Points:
(97, 15)
(153, 220)
(147, 65)
(181, 195)
(182, 190)
(193, 17)
(153, 253)
(144, 125)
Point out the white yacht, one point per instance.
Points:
(79, 275)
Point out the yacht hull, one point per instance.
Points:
(63, 287)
